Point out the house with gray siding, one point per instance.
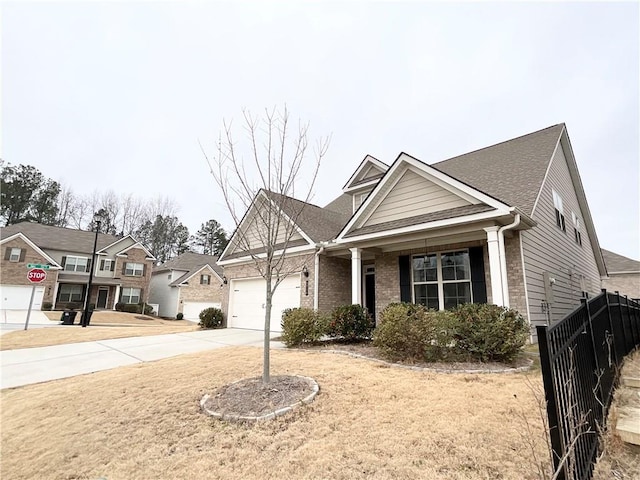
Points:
(508, 224)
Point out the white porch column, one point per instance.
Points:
(356, 276)
(117, 297)
(495, 265)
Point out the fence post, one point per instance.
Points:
(613, 342)
(594, 352)
(546, 365)
(624, 334)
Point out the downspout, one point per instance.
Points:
(316, 277)
(503, 257)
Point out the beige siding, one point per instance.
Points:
(414, 195)
(257, 234)
(547, 248)
(625, 283)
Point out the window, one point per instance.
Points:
(134, 269)
(107, 265)
(76, 264)
(205, 279)
(70, 293)
(557, 204)
(358, 198)
(14, 256)
(576, 228)
(130, 295)
(442, 280)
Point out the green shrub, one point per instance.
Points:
(120, 307)
(47, 305)
(489, 332)
(351, 322)
(412, 332)
(70, 306)
(211, 318)
(302, 325)
(132, 308)
(148, 309)
(179, 316)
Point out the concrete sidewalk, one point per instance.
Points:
(41, 364)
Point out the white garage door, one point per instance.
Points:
(191, 310)
(16, 297)
(247, 300)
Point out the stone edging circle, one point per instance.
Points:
(315, 388)
(524, 368)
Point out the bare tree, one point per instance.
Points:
(263, 187)
(67, 206)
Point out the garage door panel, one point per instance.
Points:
(191, 310)
(248, 298)
(16, 297)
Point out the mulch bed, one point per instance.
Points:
(253, 398)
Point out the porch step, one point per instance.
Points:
(628, 424)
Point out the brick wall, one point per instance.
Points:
(515, 274)
(15, 273)
(334, 288)
(134, 255)
(196, 292)
(625, 283)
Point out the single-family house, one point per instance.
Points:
(121, 272)
(623, 274)
(187, 284)
(508, 224)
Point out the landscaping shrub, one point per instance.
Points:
(47, 305)
(211, 318)
(302, 325)
(412, 332)
(179, 316)
(148, 309)
(69, 306)
(131, 308)
(489, 332)
(120, 307)
(351, 322)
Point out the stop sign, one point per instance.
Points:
(37, 275)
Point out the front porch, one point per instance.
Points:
(105, 292)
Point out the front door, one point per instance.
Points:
(370, 291)
(103, 295)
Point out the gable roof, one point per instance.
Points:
(620, 264)
(190, 262)
(512, 171)
(51, 261)
(369, 170)
(59, 238)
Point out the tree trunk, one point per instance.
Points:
(266, 378)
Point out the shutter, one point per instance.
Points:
(404, 262)
(124, 268)
(113, 265)
(23, 253)
(64, 262)
(88, 267)
(7, 253)
(101, 264)
(201, 279)
(144, 269)
(478, 284)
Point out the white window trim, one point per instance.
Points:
(131, 290)
(107, 264)
(133, 269)
(70, 299)
(202, 279)
(75, 266)
(12, 255)
(440, 281)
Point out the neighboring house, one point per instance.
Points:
(508, 224)
(121, 272)
(624, 274)
(187, 284)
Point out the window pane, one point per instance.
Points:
(432, 297)
(456, 294)
(425, 268)
(455, 266)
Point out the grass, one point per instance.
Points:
(369, 421)
(104, 326)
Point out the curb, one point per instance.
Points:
(315, 388)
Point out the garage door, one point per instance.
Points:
(16, 297)
(191, 310)
(247, 299)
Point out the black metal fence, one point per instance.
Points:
(580, 358)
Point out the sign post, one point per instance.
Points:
(36, 274)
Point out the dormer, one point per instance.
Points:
(364, 179)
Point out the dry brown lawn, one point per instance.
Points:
(104, 326)
(368, 421)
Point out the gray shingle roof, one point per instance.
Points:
(58, 238)
(618, 263)
(418, 219)
(191, 262)
(342, 205)
(511, 171)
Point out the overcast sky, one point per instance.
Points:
(115, 95)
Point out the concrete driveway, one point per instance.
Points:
(41, 364)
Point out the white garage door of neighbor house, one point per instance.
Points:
(247, 300)
(191, 310)
(16, 297)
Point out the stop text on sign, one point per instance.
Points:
(36, 275)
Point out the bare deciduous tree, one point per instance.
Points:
(263, 187)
